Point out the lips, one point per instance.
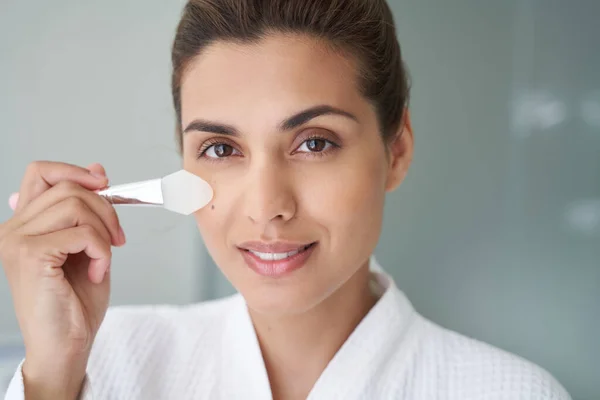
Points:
(273, 255)
(273, 247)
(276, 259)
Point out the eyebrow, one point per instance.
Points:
(288, 124)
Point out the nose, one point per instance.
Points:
(269, 194)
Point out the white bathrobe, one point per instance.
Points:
(210, 351)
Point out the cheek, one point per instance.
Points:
(348, 199)
(221, 221)
(213, 220)
(208, 217)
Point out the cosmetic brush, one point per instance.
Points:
(181, 192)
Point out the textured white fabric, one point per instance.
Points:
(210, 351)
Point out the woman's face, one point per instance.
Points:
(295, 158)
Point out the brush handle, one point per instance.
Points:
(147, 193)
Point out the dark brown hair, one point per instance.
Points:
(363, 29)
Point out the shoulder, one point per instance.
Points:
(479, 370)
(141, 332)
(167, 317)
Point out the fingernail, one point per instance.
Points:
(13, 200)
(122, 238)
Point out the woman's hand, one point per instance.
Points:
(56, 253)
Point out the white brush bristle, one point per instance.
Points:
(185, 193)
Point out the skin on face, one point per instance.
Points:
(321, 181)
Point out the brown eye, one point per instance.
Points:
(223, 150)
(316, 145)
(220, 150)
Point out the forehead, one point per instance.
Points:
(280, 74)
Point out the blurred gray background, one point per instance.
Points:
(495, 233)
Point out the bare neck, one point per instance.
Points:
(296, 349)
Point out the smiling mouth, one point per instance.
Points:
(272, 256)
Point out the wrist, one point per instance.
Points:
(53, 381)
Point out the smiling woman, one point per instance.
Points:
(296, 113)
(298, 161)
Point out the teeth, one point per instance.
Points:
(275, 256)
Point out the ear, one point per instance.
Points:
(400, 151)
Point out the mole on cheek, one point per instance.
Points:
(212, 207)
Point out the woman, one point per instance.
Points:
(296, 113)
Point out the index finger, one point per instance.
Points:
(42, 175)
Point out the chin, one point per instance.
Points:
(277, 299)
(295, 292)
